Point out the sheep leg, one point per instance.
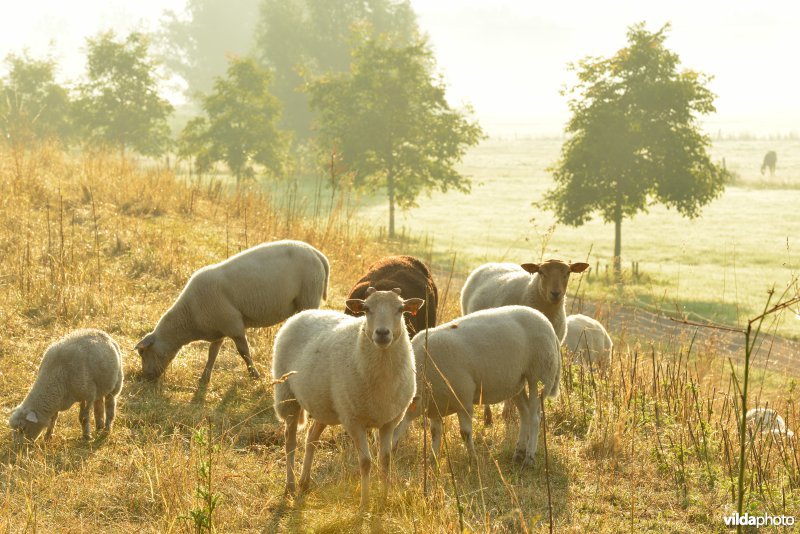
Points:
(436, 436)
(111, 411)
(522, 402)
(99, 414)
(536, 417)
(465, 425)
(508, 410)
(312, 438)
(385, 454)
(51, 426)
(84, 418)
(244, 352)
(487, 415)
(213, 350)
(359, 435)
(400, 431)
(290, 443)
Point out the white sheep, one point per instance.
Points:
(486, 357)
(587, 337)
(258, 287)
(353, 371)
(84, 366)
(766, 420)
(541, 286)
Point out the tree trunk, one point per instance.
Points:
(618, 241)
(390, 190)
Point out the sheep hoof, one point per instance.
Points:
(289, 489)
(519, 456)
(528, 462)
(253, 373)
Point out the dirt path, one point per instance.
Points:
(629, 325)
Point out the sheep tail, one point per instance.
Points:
(327, 268)
(555, 384)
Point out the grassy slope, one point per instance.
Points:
(95, 242)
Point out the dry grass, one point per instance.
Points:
(91, 240)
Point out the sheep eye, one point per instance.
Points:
(401, 309)
(365, 308)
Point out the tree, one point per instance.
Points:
(633, 138)
(32, 104)
(199, 44)
(119, 104)
(389, 121)
(301, 39)
(240, 127)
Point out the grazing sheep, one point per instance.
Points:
(354, 371)
(766, 420)
(84, 366)
(770, 161)
(414, 279)
(486, 357)
(588, 337)
(541, 286)
(258, 287)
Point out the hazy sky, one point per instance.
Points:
(508, 58)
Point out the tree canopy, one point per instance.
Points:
(301, 39)
(633, 138)
(240, 126)
(119, 104)
(32, 104)
(199, 43)
(389, 121)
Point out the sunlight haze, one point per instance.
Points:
(509, 59)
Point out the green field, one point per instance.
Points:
(717, 267)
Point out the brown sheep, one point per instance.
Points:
(414, 280)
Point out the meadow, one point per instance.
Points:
(717, 267)
(92, 240)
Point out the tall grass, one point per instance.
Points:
(93, 240)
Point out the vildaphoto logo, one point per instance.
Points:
(736, 520)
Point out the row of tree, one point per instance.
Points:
(351, 78)
(354, 80)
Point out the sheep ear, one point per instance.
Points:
(413, 305)
(578, 267)
(370, 290)
(531, 267)
(32, 417)
(146, 341)
(397, 290)
(355, 305)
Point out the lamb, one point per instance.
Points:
(409, 274)
(258, 287)
(84, 366)
(588, 337)
(486, 357)
(766, 420)
(353, 371)
(542, 286)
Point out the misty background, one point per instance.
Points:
(507, 59)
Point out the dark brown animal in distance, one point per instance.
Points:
(414, 279)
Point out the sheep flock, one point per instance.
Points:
(379, 363)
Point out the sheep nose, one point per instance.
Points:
(382, 332)
(555, 294)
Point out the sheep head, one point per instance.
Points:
(26, 422)
(553, 277)
(384, 311)
(155, 355)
